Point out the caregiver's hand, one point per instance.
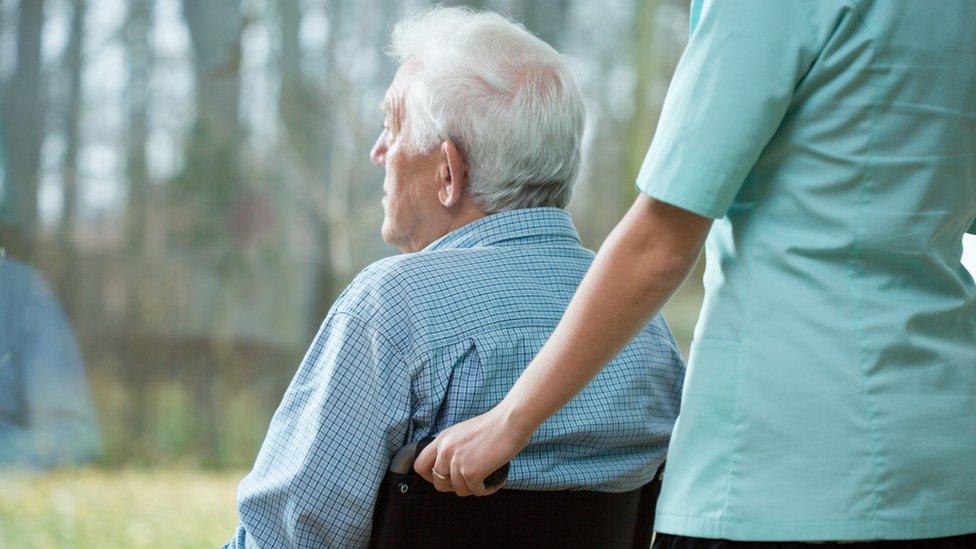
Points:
(482, 444)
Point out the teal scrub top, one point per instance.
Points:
(831, 390)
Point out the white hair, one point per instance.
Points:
(506, 98)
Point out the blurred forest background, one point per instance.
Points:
(192, 179)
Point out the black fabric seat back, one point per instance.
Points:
(411, 513)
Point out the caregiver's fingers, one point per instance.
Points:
(458, 482)
(424, 464)
(441, 471)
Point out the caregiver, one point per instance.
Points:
(831, 391)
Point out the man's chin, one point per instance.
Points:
(389, 236)
(386, 235)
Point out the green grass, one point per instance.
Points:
(128, 508)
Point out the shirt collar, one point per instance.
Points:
(514, 226)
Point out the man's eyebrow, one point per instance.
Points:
(390, 107)
(388, 104)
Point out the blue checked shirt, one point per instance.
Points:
(421, 341)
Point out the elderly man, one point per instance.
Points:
(481, 145)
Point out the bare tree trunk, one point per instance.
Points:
(215, 33)
(211, 188)
(140, 63)
(140, 58)
(212, 176)
(72, 137)
(23, 109)
(308, 122)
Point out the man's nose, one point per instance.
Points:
(378, 153)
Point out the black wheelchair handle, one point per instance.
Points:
(403, 462)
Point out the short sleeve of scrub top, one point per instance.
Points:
(746, 58)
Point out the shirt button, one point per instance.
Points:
(403, 488)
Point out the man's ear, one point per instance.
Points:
(452, 174)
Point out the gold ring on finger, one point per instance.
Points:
(440, 476)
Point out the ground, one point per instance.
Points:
(129, 508)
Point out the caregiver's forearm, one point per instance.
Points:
(639, 266)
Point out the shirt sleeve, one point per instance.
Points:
(346, 412)
(728, 95)
(972, 229)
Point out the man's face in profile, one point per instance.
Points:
(410, 193)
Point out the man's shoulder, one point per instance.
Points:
(409, 292)
(402, 273)
(388, 289)
(421, 275)
(409, 268)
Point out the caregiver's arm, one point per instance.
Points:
(639, 266)
(642, 263)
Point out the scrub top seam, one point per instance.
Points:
(866, 183)
(733, 443)
(738, 363)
